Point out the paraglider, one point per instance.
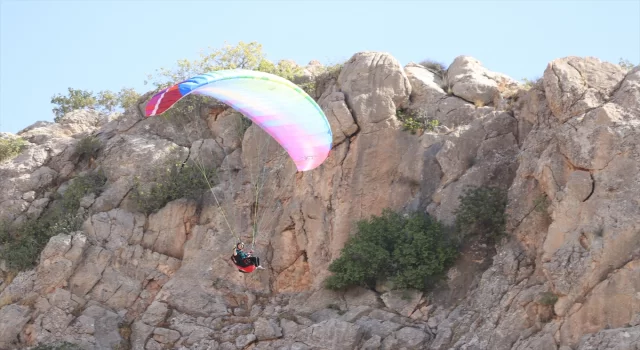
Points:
(244, 261)
(278, 106)
(281, 108)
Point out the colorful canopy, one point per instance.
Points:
(279, 107)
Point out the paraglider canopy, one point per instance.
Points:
(278, 106)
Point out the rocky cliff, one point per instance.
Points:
(567, 276)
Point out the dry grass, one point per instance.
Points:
(5, 300)
(506, 89)
(125, 331)
(29, 300)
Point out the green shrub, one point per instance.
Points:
(80, 187)
(105, 101)
(24, 242)
(177, 181)
(482, 212)
(326, 75)
(287, 315)
(441, 71)
(125, 332)
(11, 147)
(431, 124)
(242, 126)
(128, 97)
(187, 110)
(435, 67)
(243, 55)
(411, 124)
(284, 68)
(335, 307)
(411, 251)
(541, 203)
(77, 99)
(625, 64)
(529, 84)
(547, 298)
(87, 148)
(414, 121)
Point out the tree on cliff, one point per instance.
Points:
(411, 251)
(415, 250)
(104, 101)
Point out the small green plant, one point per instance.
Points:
(186, 109)
(125, 332)
(625, 64)
(24, 242)
(435, 67)
(5, 233)
(11, 147)
(442, 72)
(177, 181)
(80, 187)
(411, 124)
(547, 298)
(414, 121)
(529, 84)
(242, 126)
(541, 203)
(431, 124)
(287, 315)
(333, 307)
(448, 87)
(482, 212)
(87, 148)
(409, 251)
(478, 103)
(328, 73)
(406, 296)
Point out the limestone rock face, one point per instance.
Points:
(12, 319)
(339, 116)
(574, 84)
(470, 80)
(374, 85)
(576, 241)
(566, 277)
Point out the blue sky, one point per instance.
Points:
(48, 46)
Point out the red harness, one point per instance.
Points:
(243, 269)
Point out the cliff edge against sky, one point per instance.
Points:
(566, 149)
